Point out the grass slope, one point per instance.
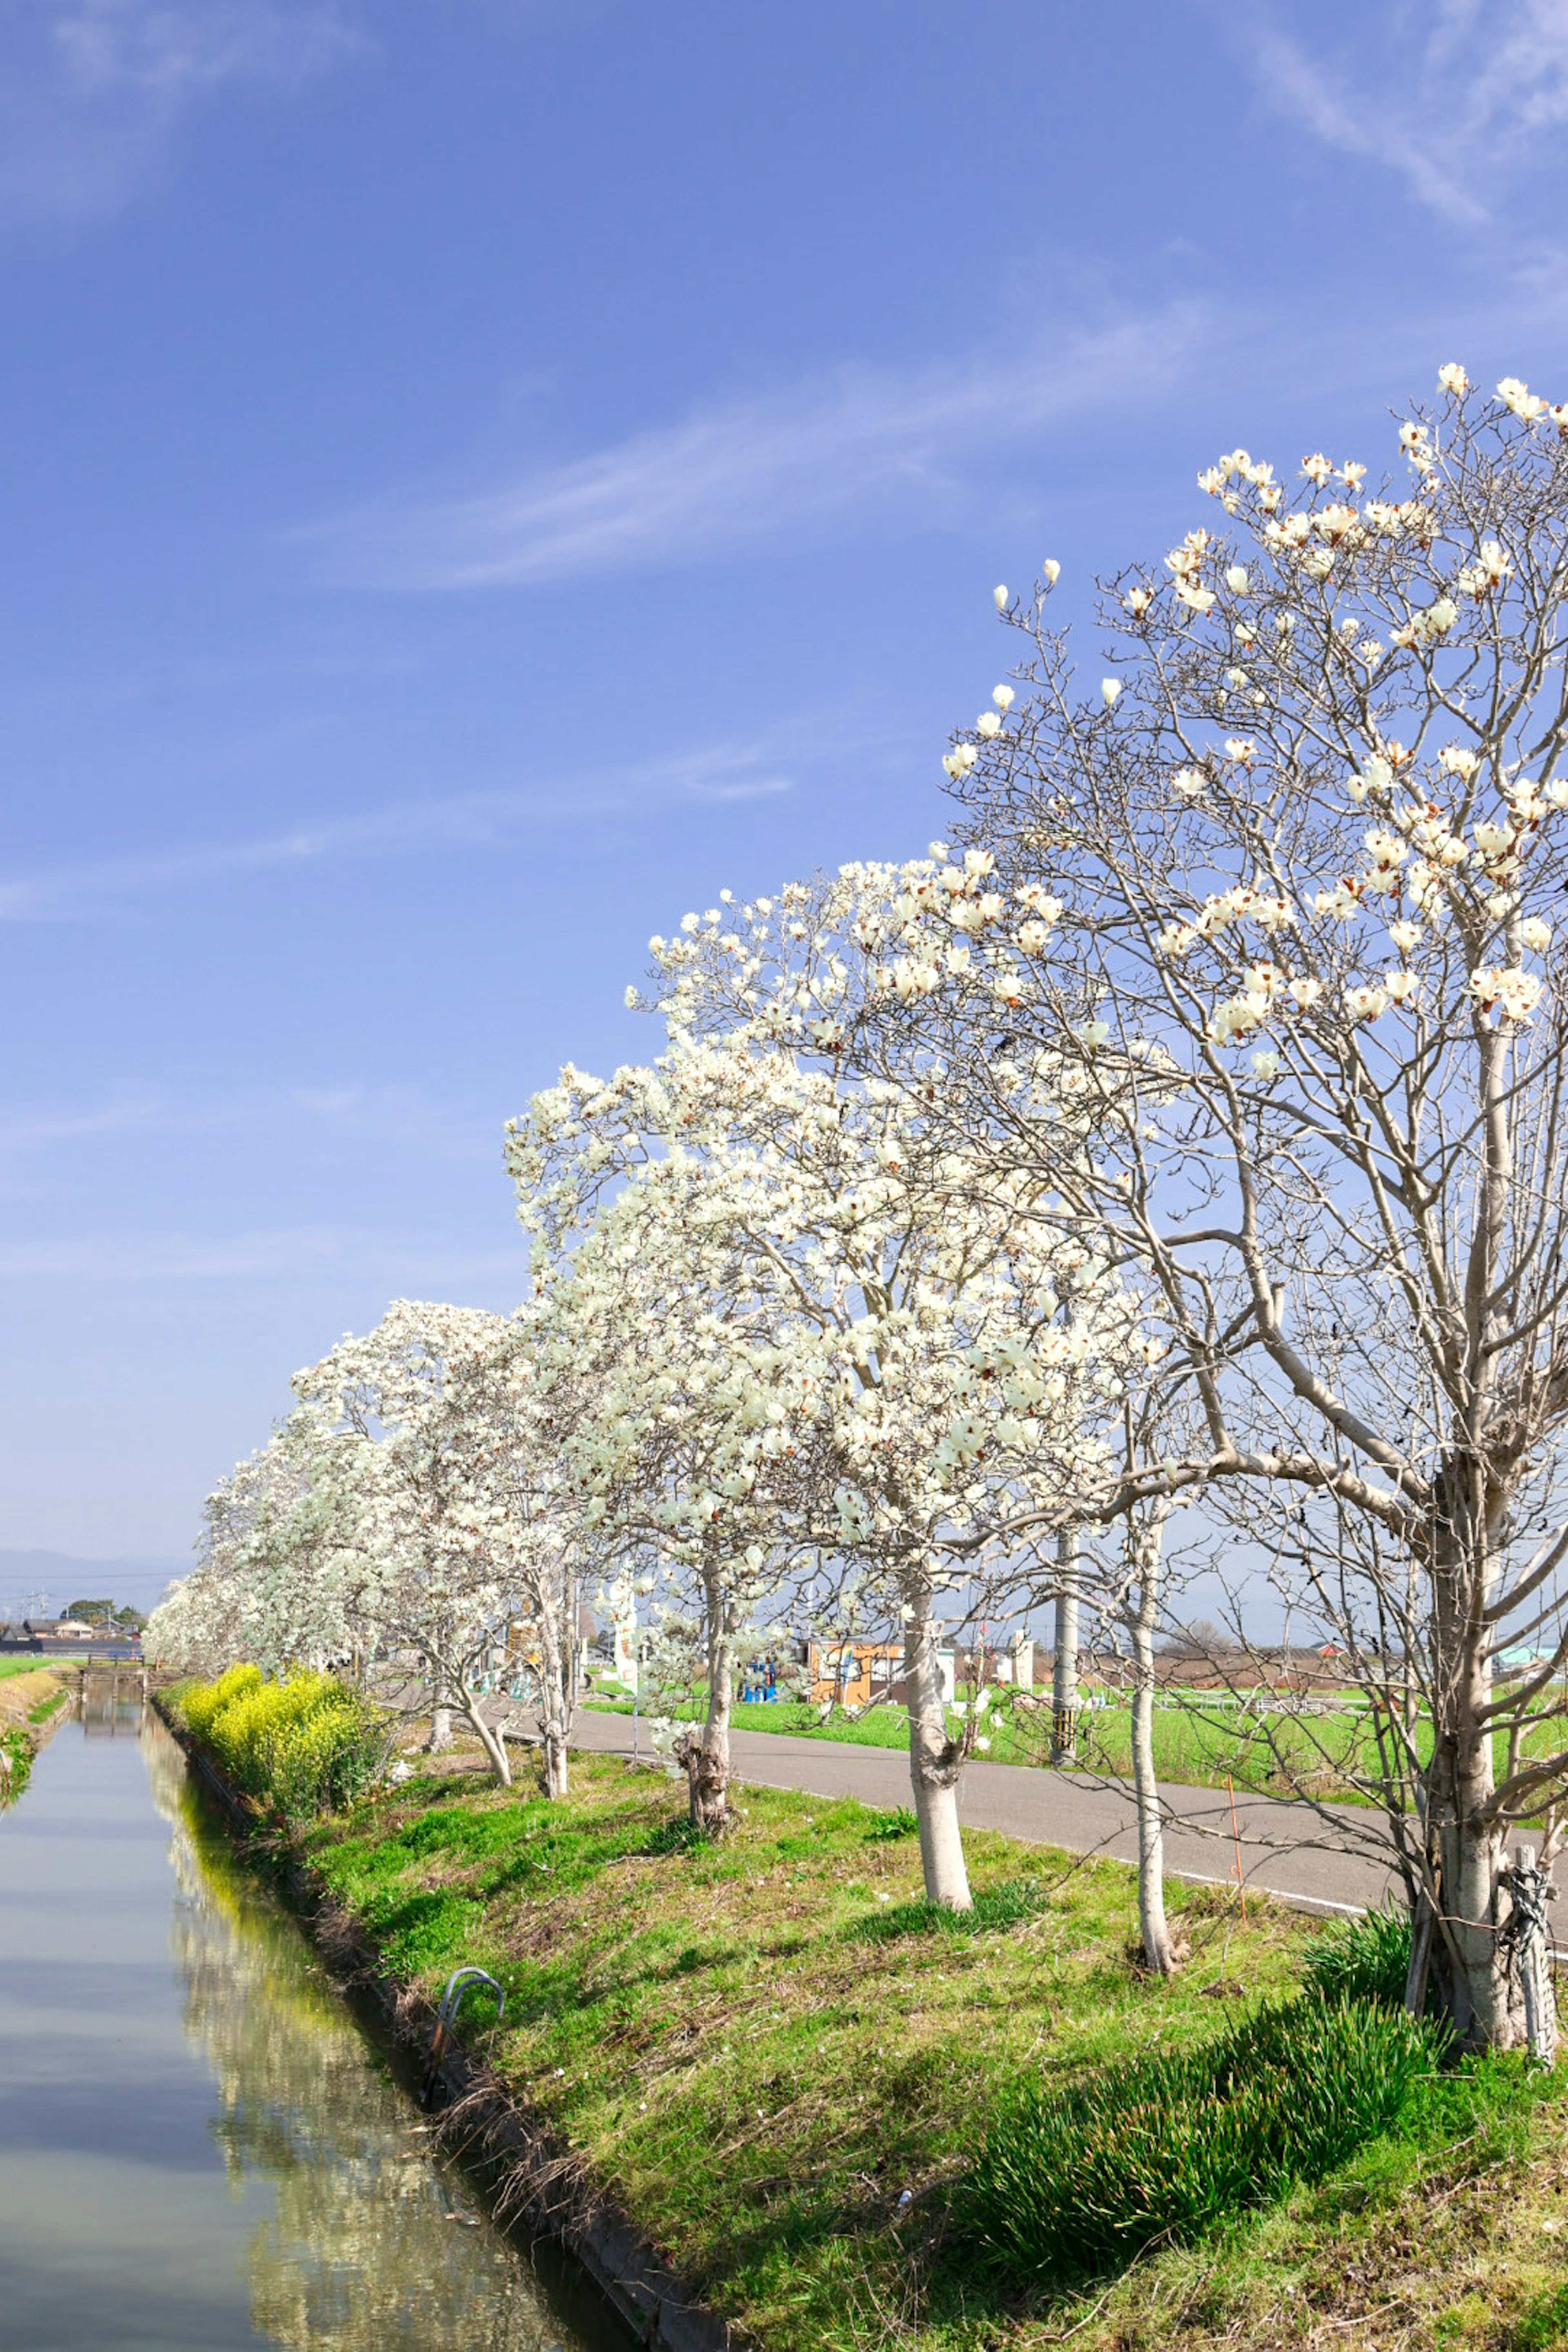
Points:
(781, 2063)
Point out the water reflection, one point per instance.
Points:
(197, 2147)
(371, 2243)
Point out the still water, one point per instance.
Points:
(198, 2146)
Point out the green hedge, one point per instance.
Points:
(304, 1745)
(1079, 2179)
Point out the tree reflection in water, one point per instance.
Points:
(361, 2252)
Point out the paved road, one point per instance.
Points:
(1287, 1847)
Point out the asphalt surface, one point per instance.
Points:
(1336, 1859)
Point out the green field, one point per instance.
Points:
(783, 2065)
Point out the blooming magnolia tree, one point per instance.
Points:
(1274, 910)
(508, 1408)
(435, 1573)
(935, 1353)
(274, 1582)
(684, 1465)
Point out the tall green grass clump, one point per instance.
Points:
(16, 1765)
(1079, 2179)
(1363, 1960)
(302, 1746)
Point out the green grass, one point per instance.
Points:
(41, 1709)
(1075, 2179)
(9, 1666)
(784, 2065)
(17, 1750)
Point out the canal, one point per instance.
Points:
(198, 2144)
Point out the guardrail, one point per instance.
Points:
(117, 1653)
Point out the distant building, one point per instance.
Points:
(859, 1674)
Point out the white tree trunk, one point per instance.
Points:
(707, 1760)
(1158, 1951)
(557, 1683)
(1064, 1668)
(1477, 1991)
(934, 1761)
(440, 1738)
(489, 1739)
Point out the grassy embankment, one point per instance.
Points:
(1197, 1743)
(29, 1696)
(784, 2067)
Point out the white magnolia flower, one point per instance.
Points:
(1266, 1066)
(1404, 935)
(1002, 696)
(1364, 1003)
(1052, 569)
(989, 723)
(1535, 934)
(1110, 688)
(1520, 399)
(1236, 579)
(1188, 782)
(1305, 993)
(1200, 600)
(999, 597)
(1452, 378)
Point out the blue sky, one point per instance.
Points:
(482, 474)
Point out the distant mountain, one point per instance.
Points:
(52, 1580)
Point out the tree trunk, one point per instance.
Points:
(557, 1686)
(707, 1760)
(1064, 1670)
(489, 1739)
(1477, 1991)
(1158, 1951)
(934, 1762)
(440, 1738)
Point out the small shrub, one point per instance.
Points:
(1079, 2179)
(1363, 1960)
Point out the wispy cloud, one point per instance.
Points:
(792, 462)
(94, 92)
(402, 1263)
(715, 772)
(1456, 107)
(349, 1111)
(176, 50)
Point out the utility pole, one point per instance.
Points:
(1064, 1671)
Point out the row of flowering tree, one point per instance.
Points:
(1182, 1150)
(1303, 851)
